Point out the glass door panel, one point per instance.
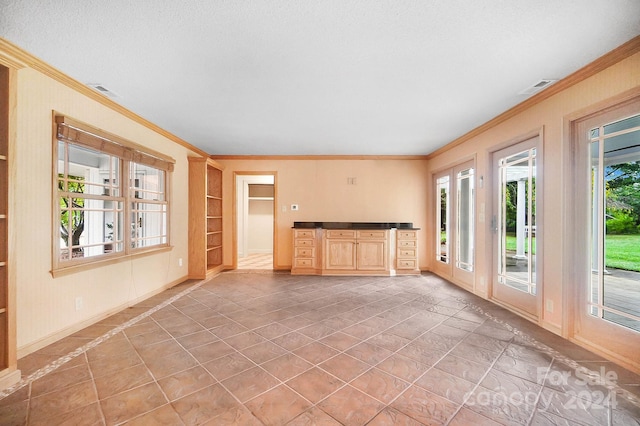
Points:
(442, 219)
(614, 293)
(454, 223)
(515, 233)
(464, 219)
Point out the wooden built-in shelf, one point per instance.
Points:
(205, 217)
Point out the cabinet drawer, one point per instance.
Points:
(407, 235)
(305, 252)
(304, 263)
(345, 233)
(304, 233)
(407, 264)
(406, 243)
(374, 235)
(299, 242)
(407, 252)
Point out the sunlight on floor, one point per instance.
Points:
(256, 261)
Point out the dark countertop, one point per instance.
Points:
(354, 225)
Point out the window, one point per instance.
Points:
(100, 182)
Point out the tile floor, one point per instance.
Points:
(256, 261)
(276, 349)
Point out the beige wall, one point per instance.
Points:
(547, 116)
(386, 190)
(260, 226)
(46, 307)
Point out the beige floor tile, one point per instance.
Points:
(185, 382)
(424, 406)
(278, 406)
(399, 350)
(132, 403)
(249, 384)
(286, 366)
(351, 407)
(229, 365)
(315, 384)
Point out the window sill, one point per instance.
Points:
(68, 270)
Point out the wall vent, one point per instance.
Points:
(100, 88)
(538, 86)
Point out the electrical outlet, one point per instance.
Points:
(549, 305)
(79, 303)
(180, 262)
(294, 207)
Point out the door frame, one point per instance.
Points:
(604, 339)
(255, 174)
(492, 194)
(465, 279)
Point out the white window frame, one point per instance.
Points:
(132, 198)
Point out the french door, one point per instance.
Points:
(515, 233)
(607, 230)
(455, 216)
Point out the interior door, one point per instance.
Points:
(607, 221)
(515, 236)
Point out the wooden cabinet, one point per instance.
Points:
(305, 251)
(407, 252)
(325, 250)
(340, 250)
(372, 250)
(205, 217)
(356, 251)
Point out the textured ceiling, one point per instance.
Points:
(301, 77)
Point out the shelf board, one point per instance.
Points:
(215, 197)
(214, 217)
(3, 310)
(209, 248)
(260, 198)
(3, 157)
(214, 232)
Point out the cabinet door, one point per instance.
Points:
(340, 254)
(372, 255)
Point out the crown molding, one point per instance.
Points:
(318, 157)
(15, 57)
(618, 54)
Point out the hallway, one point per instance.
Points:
(271, 348)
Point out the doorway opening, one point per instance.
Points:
(255, 201)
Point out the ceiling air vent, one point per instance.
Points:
(538, 86)
(100, 88)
